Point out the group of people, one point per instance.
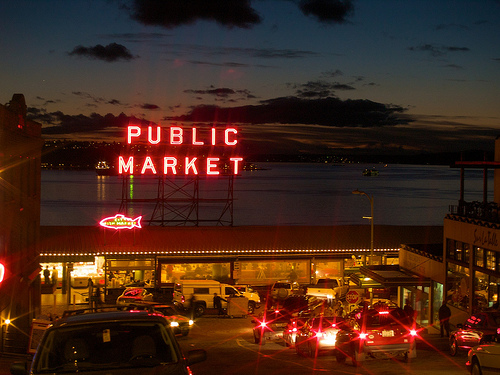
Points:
(48, 278)
(444, 315)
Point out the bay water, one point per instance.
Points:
(278, 194)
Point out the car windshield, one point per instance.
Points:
(109, 345)
(168, 311)
(282, 286)
(328, 283)
(134, 292)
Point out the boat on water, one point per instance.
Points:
(104, 169)
(370, 172)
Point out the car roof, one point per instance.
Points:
(107, 316)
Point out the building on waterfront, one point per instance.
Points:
(20, 160)
(471, 244)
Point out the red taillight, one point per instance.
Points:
(334, 325)
(319, 334)
(413, 332)
(294, 329)
(363, 336)
(383, 312)
(263, 324)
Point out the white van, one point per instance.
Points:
(203, 291)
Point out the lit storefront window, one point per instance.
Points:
(170, 273)
(123, 272)
(481, 286)
(83, 271)
(466, 252)
(457, 288)
(490, 260)
(478, 256)
(486, 289)
(263, 273)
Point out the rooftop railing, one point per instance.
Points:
(487, 211)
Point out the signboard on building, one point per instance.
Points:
(179, 138)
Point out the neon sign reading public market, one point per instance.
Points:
(177, 136)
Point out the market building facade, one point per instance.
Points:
(471, 244)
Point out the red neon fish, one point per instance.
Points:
(119, 221)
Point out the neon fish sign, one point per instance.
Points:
(120, 221)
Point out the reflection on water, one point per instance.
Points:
(282, 194)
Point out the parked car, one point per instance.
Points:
(173, 312)
(380, 331)
(479, 328)
(110, 342)
(485, 359)
(283, 289)
(292, 329)
(180, 324)
(322, 333)
(270, 326)
(134, 295)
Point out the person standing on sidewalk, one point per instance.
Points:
(218, 304)
(444, 319)
(409, 310)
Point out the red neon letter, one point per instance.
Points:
(230, 130)
(133, 131)
(169, 162)
(150, 135)
(211, 165)
(195, 142)
(124, 167)
(213, 136)
(190, 165)
(148, 164)
(175, 135)
(236, 160)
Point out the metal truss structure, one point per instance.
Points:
(178, 200)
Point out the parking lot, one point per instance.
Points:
(231, 350)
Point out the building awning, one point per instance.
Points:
(218, 242)
(390, 276)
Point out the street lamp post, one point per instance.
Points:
(370, 198)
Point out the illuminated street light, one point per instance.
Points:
(370, 198)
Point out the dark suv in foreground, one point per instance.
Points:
(478, 329)
(115, 342)
(383, 331)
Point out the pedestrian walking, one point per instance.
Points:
(444, 319)
(192, 304)
(218, 304)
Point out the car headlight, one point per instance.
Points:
(191, 322)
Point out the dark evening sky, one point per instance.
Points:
(292, 75)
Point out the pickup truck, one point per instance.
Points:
(329, 288)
